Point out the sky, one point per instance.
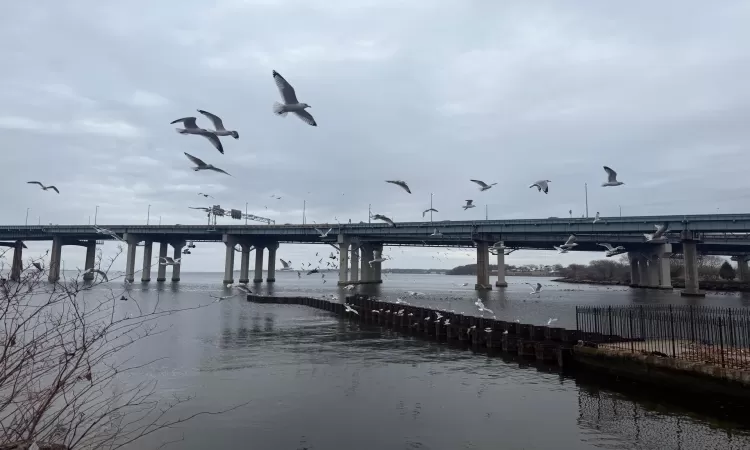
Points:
(431, 92)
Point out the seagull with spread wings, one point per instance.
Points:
(200, 165)
(192, 128)
(43, 186)
(469, 204)
(611, 178)
(291, 104)
(482, 185)
(403, 184)
(542, 185)
(219, 129)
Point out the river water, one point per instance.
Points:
(316, 382)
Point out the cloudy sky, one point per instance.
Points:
(432, 92)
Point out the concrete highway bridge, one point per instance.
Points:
(358, 244)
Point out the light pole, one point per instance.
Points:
(159, 220)
(586, 188)
(430, 207)
(369, 213)
(148, 215)
(27, 216)
(620, 206)
(304, 210)
(96, 213)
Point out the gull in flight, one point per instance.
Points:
(108, 232)
(192, 128)
(379, 260)
(481, 307)
(482, 185)
(560, 249)
(384, 219)
(436, 233)
(202, 208)
(206, 195)
(428, 210)
(597, 219)
(611, 251)
(550, 321)
(469, 204)
(570, 243)
(400, 183)
(535, 289)
(218, 299)
(100, 272)
(542, 185)
(200, 165)
(219, 129)
(286, 264)
(658, 234)
(315, 270)
(611, 178)
(323, 235)
(168, 261)
(349, 309)
(509, 251)
(43, 186)
(291, 104)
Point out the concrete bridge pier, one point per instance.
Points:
(147, 261)
(377, 269)
(90, 260)
(272, 262)
(643, 274)
(743, 272)
(501, 266)
(245, 263)
(161, 271)
(17, 267)
(635, 274)
(258, 278)
(690, 253)
(365, 258)
(659, 267)
(344, 244)
(483, 267)
(354, 264)
(132, 243)
(177, 254)
(54, 260)
(229, 243)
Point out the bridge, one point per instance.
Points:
(358, 244)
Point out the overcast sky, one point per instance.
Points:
(431, 92)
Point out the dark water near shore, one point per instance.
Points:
(315, 382)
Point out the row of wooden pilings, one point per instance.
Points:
(543, 343)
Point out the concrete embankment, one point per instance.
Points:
(550, 345)
(706, 285)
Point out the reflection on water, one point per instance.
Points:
(316, 382)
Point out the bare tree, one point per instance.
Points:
(62, 361)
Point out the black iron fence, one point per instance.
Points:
(698, 333)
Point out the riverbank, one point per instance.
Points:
(706, 285)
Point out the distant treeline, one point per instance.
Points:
(618, 271)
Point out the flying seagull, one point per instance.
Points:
(659, 233)
(286, 264)
(200, 165)
(611, 178)
(570, 243)
(168, 261)
(322, 235)
(202, 208)
(43, 186)
(206, 195)
(192, 128)
(291, 104)
(560, 249)
(378, 260)
(611, 251)
(400, 183)
(436, 233)
(315, 270)
(428, 210)
(536, 289)
(384, 219)
(597, 219)
(541, 185)
(482, 185)
(349, 309)
(469, 204)
(219, 129)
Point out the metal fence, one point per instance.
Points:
(697, 333)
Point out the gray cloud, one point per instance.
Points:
(431, 92)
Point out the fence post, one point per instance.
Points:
(609, 314)
(671, 330)
(721, 341)
(577, 325)
(731, 329)
(692, 324)
(632, 338)
(643, 322)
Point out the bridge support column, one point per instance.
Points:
(17, 267)
(344, 243)
(258, 278)
(354, 263)
(132, 242)
(229, 243)
(161, 271)
(690, 254)
(643, 276)
(743, 272)
(54, 260)
(365, 258)
(376, 274)
(90, 260)
(177, 254)
(148, 247)
(501, 267)
(662, 272)
(271, 278)
(483, 267)
(245, 264)
(635, 274)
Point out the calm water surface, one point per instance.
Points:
(315, 382)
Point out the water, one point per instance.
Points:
(315, 382)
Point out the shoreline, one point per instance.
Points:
(706, 285)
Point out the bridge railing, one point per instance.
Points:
(701, 334)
